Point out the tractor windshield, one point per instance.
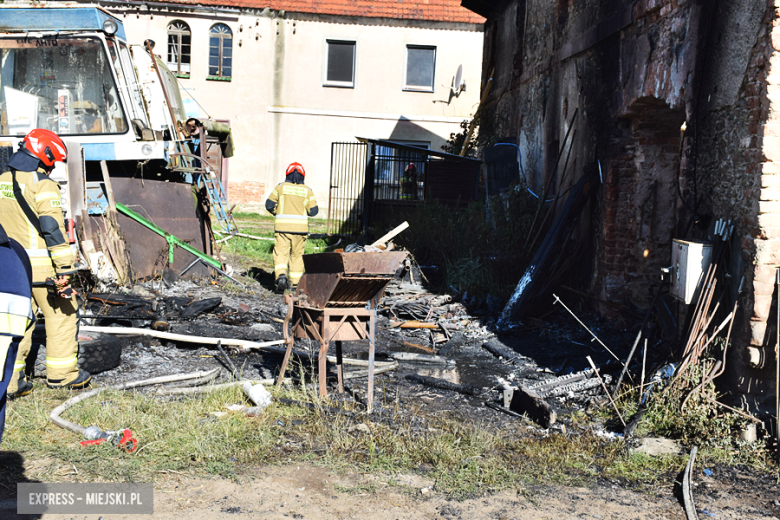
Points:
(62, 84)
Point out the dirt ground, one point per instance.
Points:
(311, 492)
(544, 351)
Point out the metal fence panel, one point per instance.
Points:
(346, 208)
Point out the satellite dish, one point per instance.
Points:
(457, 81)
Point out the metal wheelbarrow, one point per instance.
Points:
(336, 300)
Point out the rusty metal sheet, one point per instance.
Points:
(346, 279)
(373, 263)
(169, 205)
(316, 288)
(323, 263)
(354, 263)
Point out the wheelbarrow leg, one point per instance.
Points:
(371, 343)
(339, 367)
(289, 340)
(323, 368)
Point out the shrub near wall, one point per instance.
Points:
(478, 255)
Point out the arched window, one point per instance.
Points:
(220, 51)
(179, 45)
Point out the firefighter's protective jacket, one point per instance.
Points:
(15, 308)
(49, 252)
(292, 205)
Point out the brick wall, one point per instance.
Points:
(247, 192)
(639, 202)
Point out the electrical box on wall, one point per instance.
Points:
(690, 261)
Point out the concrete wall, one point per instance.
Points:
(634, 72)
(279, 109)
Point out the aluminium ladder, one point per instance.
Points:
(216, 194)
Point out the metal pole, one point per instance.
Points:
(371, 345)
(596, 371)
(558, 300)
(642, 382)
(777, 371)
(175, 131)
(330, 188)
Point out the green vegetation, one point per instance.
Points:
(186, 436)
(699, 422)
(246, 253)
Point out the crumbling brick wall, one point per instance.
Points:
(640, 202)
(634, 72)
(738, 167)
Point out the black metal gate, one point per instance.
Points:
(346, 205)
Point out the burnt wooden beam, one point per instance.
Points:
(527, 401)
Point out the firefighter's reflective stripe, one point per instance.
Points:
(15, 314)
(299, 191)
(33, 233)
(13, 304)
(291, 219)
(37, 252)
(19, 367)
(60, 251)
(61, 362)
(280, 266)
(295, 276)
(46, 195)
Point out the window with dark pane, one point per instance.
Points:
(220, 51)
(341, 63)
(420, 66)
(179, 47)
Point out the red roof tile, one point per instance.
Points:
(433, 10)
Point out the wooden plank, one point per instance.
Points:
(111, 241)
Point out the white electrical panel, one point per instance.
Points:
(690, 261)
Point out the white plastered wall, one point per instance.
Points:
(279, 109)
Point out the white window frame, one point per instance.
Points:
(325, 48)
(417, 88)
(179, 67)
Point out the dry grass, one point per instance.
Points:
(185, 436)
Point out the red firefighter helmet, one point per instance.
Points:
(295, 166)
(45, 146)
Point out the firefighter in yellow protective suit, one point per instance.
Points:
(31, 213)
(292, 203)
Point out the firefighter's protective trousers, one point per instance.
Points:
(50, 255)
(288, 256)
(291, 204)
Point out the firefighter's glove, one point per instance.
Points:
(62, 284)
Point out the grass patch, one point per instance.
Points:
(463, 458)
(246, 252)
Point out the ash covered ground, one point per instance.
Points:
(535, 352)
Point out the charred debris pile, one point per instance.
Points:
(564, 360)
(429, 342)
